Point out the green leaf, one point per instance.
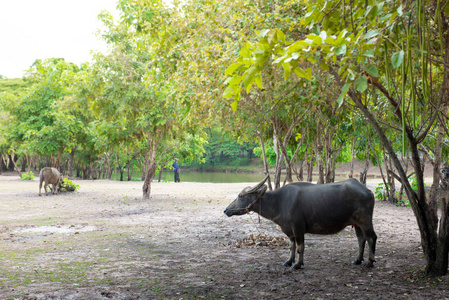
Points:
(344, 91)
(324, 66)
(341, 36)
(231, 81)
(258, 80)
(397, 58)
(307, 74)
(341, 50)
(361, 84)
(245, 53)
(372, 70)
(330, 40)
(232, 68)
(234, 106)
(287, 70)
(293, 56)
(272, 37)
(399, 10)
(228, 92)
(315, 38)
(280, 35)
(351, 74)
(280, 59)
(264, 32)
(250, 73)
(370, 34)
(323, 35)
(369, 53)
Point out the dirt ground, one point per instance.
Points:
(105, 242)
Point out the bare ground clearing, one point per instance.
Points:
(105, 242)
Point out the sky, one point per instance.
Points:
(40, 29)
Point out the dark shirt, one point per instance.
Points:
(175, 166)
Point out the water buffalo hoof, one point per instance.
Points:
(287, 264)
(370, 264)
(357, 262)
(296, 266)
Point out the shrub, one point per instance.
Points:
(69, 186)
(379, 194)
(27, 176)
(414, 182)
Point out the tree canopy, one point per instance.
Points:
(312, 82)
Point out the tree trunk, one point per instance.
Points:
(328, 177)
(351, 171)
(130, 172)
(108, 166)
(278, 166)
(122, 171)
(57, 162)
(333, 164)
(390, 185)
(14, 163)
(436, 194)
(301, 171)
(11, 164)
(319, 156)
(146, 188)
(160, 175)
(92, 169)
(299, 175)
(364, 173)
(310, 167)
(417, 198)
(265, 161)
(70, 163)
(288, 170)
(283, 144)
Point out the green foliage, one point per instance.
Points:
(13, 86)
(270, 153)
(222, 151)
(69, 186)
(27, 176)
(35, 125)
(414, 182)
(379, 193)
(403, 202)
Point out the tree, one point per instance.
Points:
(400, 50)
(137, 91)
(37, 127)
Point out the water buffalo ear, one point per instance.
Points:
(262, 190)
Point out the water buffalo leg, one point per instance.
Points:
(45, 188)
(54, 189)
(372, 238)
(300, 248)
(290, 261)
(362, 241)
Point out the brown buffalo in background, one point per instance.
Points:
(50, 176)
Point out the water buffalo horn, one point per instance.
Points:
(258, 186)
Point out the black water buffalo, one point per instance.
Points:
(50, 176)
(300, 208)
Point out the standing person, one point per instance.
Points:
(176, 169)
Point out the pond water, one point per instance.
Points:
(220, 177)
